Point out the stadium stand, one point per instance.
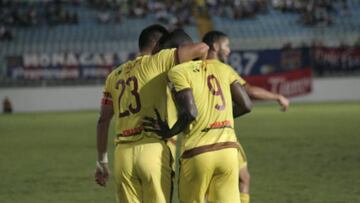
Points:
(97, 27)
(276, 28)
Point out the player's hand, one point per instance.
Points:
(102, 173)
(283, 102)
(157, 125)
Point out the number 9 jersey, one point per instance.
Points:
(210, 82)
(126, 89)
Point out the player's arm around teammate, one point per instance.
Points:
(191, 51)
(187, 110)
(147, 40)
(187, 113)
(194, 102)
(184, 53)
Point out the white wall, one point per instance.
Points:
(85, 98)
(53, 98)
(333, 89)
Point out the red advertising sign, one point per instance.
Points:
(336, 60)
(291, 83)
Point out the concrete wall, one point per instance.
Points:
(88, 97)
(53, 98)
(333, 89)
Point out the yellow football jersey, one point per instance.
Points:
(133, 88)
(210, 82)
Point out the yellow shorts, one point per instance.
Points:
(171, 143)
(142, 171)
(213, 174)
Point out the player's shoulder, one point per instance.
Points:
(157, 59)
(187, 66)
(118, 69)
(228, 71)
(166, 51)
(116, 72)
(225, 66)
(162, 54)
(219, 67)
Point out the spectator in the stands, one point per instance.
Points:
(104, 16)
(344, 8)
(237, 9)
(5, 34)
(119, 15)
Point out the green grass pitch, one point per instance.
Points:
(309, 154)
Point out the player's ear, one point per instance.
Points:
(215, 47)
(156, 48)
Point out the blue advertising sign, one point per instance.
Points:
(70, 65)
(63, 65)
(262, 62)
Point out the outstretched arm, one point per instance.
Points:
(102, 168)
(241, 100)
(262, 94)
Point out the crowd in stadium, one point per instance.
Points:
(172, 14)
(314, 12)
(237, 9)
(57, 12)
(22, 13)
(5, 34)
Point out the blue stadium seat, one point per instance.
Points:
(269, 30)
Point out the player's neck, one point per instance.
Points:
(212, 55)
(145, 52)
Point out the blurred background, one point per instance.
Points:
(56, 54)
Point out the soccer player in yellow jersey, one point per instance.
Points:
(142, 160)
(174, 39)
(219, 49)
(205, 92)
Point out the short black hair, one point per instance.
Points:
(213, 36)
(150, 35)
(174, 39)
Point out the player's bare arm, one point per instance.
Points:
(102, 168)
(192, 51)
(187, 112)
(263, 94)
(241, 100)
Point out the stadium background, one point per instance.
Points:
(54, 56)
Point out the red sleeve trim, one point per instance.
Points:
(106, 101)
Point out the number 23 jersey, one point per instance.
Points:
(132, 89)
(210, 82)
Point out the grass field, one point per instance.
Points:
(309, 154)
